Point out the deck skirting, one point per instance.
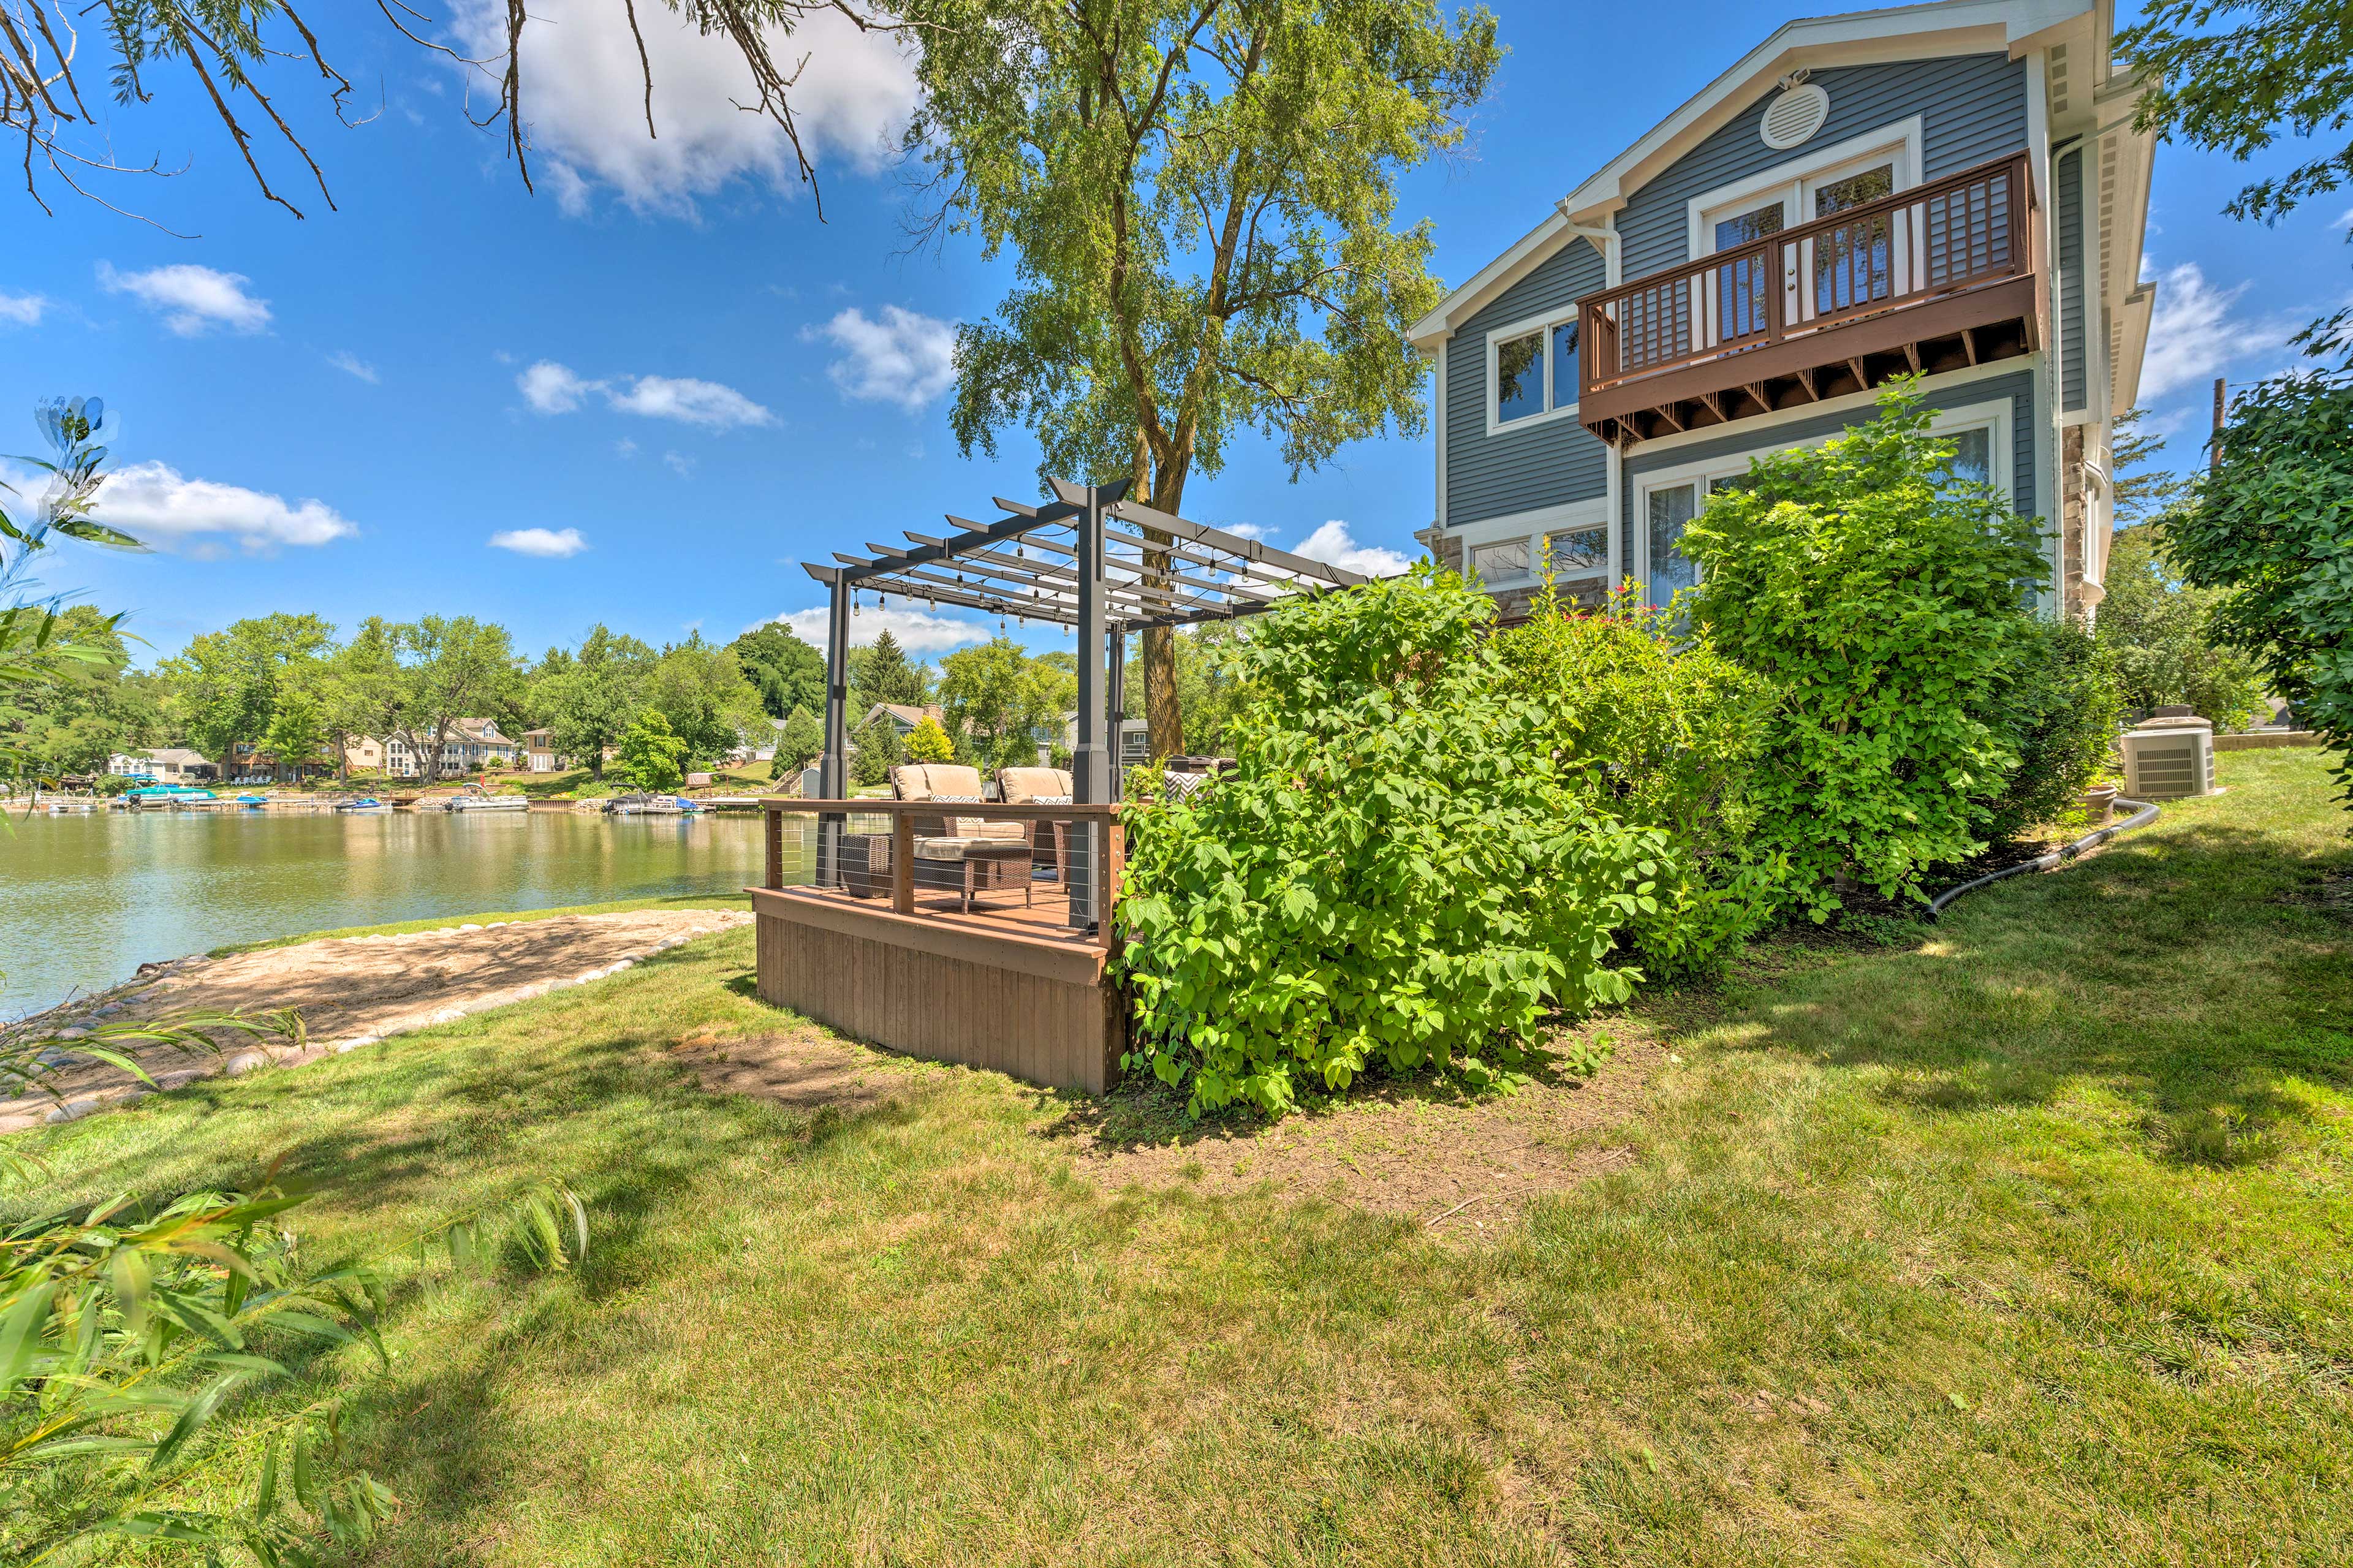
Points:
(1039, 1009)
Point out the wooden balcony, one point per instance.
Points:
(1933, 279)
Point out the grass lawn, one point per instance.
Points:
(2024, 1239)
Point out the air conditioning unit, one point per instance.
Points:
(2169, 758)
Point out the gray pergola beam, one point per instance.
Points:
(1046, 573)
(994, 583)
(1235, 544)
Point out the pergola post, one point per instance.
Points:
(1115, 706)
(1090, 762)
(833, 771)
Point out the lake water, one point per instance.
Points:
(84, 900)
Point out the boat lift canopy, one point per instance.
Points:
(1090, 559)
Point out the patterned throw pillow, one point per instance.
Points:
(1049, 800)
(1181, 786)
(962, 826)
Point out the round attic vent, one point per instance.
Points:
(1795, 116)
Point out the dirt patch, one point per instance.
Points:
(1460, 1163)
(798, 1069)
(353, 991)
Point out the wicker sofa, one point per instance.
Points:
(942, 842)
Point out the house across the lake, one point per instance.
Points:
(468, 746)
(1953, 190)
(164, 765)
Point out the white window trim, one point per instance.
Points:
(1550, 413)
(1566, 517)
(1996, 415)
(1792, 179)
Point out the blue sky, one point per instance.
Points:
(661, 381)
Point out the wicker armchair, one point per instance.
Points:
(1041, 786)
(941, 841)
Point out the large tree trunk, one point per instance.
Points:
(1163, 716)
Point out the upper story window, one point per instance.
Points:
(1531, 371)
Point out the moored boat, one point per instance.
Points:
(651, 805)
(490, 802)
(365, 804)
(167, 795)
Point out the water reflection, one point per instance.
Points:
(84, 900)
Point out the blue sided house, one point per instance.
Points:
(1952, 190)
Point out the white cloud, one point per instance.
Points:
(194, 299)
(155, 503)
(550, 543)
(625, 447)
(1334, 543)
(917, 631)
(689, 401)
(22, 309)
(586, 122)
(1247, 530)
(905, 358)
(351, 365)
(551, 388)
(2193, 336)
(680, 464)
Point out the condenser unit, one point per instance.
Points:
(2166, 759)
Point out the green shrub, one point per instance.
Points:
(1662, 734)
(2156, 633)
(2063, 709)
(2272, 525)
(927, 742)
(1883, 596)
(1399, 875)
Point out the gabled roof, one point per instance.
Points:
(1852, 38)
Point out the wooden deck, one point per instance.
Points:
(1012, 985)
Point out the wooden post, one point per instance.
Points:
(1115, 704)
(902, 863)
(1115, 870)
(833, 771)
(2214, 447)
(776, 878)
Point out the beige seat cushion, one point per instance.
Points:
(951, 783)
(922, 781)
(1022, 785)
(956, 849)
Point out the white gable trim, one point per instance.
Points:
(1858, 38)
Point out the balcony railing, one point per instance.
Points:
(1947, 237)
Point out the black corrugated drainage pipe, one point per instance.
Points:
(2057, 857)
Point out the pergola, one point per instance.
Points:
(1090, 559)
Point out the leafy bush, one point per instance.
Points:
(128, 1332)
(2157, 633)
(927, 742)
(1883, 596)
(2273, 524)
(2062, 717)
(1399, 875)
(1662, 734)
